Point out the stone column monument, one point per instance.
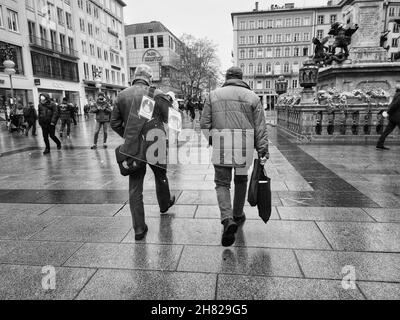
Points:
(370, 17)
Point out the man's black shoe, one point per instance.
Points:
(46, 151)
(228, 236)
(171, 203)
(240, 220)
(140, 236)
(382, 147)
(59, 147)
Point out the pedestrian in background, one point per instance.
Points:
(131, 98)
(102, 109)
(31, 117)
(48, 117)
(394, 119)
(232, 109)
(65, 110)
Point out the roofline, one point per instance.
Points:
(242, 13)
(132, 24)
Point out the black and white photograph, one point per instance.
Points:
(196, 156)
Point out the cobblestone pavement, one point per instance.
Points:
(333, 206)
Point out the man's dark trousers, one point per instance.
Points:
(136, 194)
(222, 179)
(49, 130)
(388, 130)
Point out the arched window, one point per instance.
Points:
(277, 52)
(296, 52)
(287, 52)
(251, 68)
(268, 68)
(286, 67)
(242, 67)
(277, 68)
(241, 54)
(259, 68)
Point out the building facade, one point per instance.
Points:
(274, 42)
(392, 15)
(153, 44)
(58, 46)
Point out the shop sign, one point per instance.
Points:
(37, 82)
(152, 55)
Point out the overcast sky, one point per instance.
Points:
(201, 18)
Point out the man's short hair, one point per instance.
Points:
(234, 73)
(144, 72)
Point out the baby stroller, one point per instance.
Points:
(17, 123)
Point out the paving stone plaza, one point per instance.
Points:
(336, 209)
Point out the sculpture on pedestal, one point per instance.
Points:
(322, 55)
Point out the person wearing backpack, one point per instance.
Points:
(133, 100)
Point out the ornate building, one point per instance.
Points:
(153, 44)
(274, 42)
(59, 44)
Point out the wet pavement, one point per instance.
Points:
(335, 208)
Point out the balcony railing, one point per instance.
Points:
(53, 47)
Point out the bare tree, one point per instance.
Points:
(199, 64)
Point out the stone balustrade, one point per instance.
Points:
(356, 123)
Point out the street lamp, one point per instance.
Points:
(97, 78)
(9, 66)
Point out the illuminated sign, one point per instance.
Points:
(152, 55)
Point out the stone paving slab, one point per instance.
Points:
(98, 210)
(281, 234)
(380, 290)
(213, 212)
(323, 214)
(149, 285)
(265, 288)
(126, 256)
(384, 214)
(275, 234)
(40, 253)
(368, 266)
(25, 283)
(153, 211)
(356, 236)
(167, 230)
(239, 260)
(87, 229)
(22, 226)
(23, 208)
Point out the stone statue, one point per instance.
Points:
(321, 51)
(322, 55)
(342, 39)
(383, 40)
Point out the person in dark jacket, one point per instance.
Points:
(31, 117)
(191, 109)
(130, 101)
(394, 120)
(48, 117)
(102, 109)
(86, 109)
(65, 110)
(234, 114)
